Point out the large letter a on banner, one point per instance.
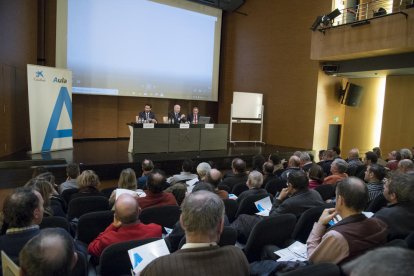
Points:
(52, 131)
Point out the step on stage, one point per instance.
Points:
(108, 157)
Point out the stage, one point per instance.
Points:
(109, 156)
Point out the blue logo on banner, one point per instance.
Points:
(39, 74)
(52, 131)
(137, 259)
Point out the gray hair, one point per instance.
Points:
(202, 212)
(305, 157)
(402, 185)
(255, 179)
(203, 168)
(341, 165)
(406, 165)
(406, 154)
(382, 261)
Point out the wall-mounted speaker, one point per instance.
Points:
(353, 95)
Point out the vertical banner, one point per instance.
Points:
(50, 108)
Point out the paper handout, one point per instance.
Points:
(297, 251)
(119, 192)
(191, 184)
(264, 205)
(142, 255)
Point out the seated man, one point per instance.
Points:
(254, 182)
(147, 115)
(351, 236)
(146, 166)
(293, 166)
(202, 219)
(23, 212)
(238, 167)
(155, 195)
(194, 116)
(214, 177)
(399, 214)
(52, 252)
(185, 174)
(126, 226)
(374, 176)
(338, 172)
(297, 197)
(72, 172)
(176, 117)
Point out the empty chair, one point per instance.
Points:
(166, 216)
(275, 230)
(66, 194)
(52, 222)
(305, 223)
(230, 207)
(239, 188)
(115, 260)
(82, 205)
(227, 237)
(327, 191)
(90, 225)
(247, 205)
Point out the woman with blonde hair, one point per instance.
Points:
(127, 180)
(88, 183)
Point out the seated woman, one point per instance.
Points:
(316, 176)
(47, 191)
(127, 180)
(88, 183)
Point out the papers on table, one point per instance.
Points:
(264, 205)
(191, 184)
(119, 192)
(295, 252)
(142, 255)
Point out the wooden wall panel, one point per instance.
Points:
(397, 124)
(267, 52)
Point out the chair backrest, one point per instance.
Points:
(52, 222)
(90, 225)
(275, 230)
(108, 191)
(239, 188)
(9, 268)
(230, 207)
(322, 269)
(326, 191)
(247, 205)
(228, 237)
(66, 194)
(305, 223)
(166, 216)
(82, 205)
(276, 185)
(115, 260)
(376, 204)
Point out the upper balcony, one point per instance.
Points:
(370, 29)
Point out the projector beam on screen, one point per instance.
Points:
(142, 48)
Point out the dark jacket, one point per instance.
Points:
(297, 203)
(399, 218)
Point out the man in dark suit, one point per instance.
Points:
(202, 219)
(176, 117)
(23, 212)
(193, 117)
(147, 115)
(399, 214)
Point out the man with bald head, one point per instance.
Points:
(176, 117)
(214, 177)
(202, 219)
(239, 176)
(126, 226)
(353, 234)
(293, 166)
(52, 252)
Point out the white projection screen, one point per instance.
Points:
(142, 48)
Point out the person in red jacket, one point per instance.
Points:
(125, 227)
(155, 195)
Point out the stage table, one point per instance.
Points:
(154, 138)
